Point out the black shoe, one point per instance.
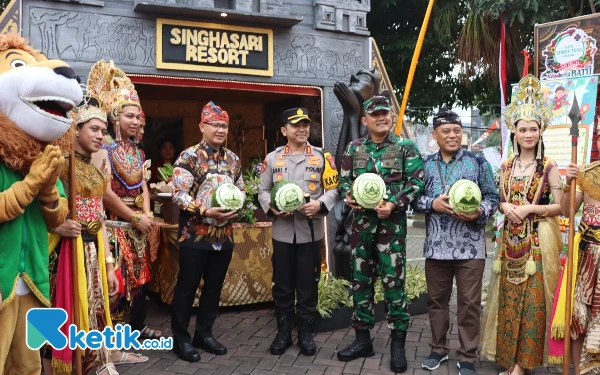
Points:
(186, 351)
(466, 368)
(398, 362)
(209, 344)
(283, 340)
(361, 347)
(434, 361)
(305, 338)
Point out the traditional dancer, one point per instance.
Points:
(32, 199)
(96, 275)
(585, 324)
(128, 199)
(520, 298)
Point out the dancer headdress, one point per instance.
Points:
(115, 90)
(528, 104)
(90, 108)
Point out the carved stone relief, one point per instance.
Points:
(306, 56)
(89, 37)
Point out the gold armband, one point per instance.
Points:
(110, 260)
(150, 214)
(136, 218)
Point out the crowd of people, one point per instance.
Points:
(522, 326)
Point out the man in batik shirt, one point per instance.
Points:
(205, 233)
(454, 243)
(379, 235)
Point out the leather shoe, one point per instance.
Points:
(186, 351)
(209, 344)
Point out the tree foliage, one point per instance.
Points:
(458, 65)
(3, 4)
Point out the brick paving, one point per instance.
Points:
(247, 333)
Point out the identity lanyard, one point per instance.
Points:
(444, 179)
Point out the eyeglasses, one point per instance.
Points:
(217, 126)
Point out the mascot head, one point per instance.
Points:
(37, 94)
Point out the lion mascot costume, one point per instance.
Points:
(36, 96)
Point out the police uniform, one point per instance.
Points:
(296, 259)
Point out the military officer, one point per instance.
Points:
(296, 259)
(378, 236)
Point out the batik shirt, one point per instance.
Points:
(449, 238)
(395, 159)
(196, 174)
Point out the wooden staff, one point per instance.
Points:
(73, 216)
(413, 67)
(575, 117)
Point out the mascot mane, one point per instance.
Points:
(18, 150)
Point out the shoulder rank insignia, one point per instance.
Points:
(286, 150)
(308, 149)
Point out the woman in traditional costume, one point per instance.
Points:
(128, 200)
(585, 324)
(96, 279)
(526, 268)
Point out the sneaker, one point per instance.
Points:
(466, 368)
(434, 361)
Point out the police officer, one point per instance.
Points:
(296, 259)
(379, 236)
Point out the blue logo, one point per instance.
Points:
(44, 324)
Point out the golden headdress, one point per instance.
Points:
(528, 104)
(90, 108)
(112, 86)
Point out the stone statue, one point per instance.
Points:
(363, 86)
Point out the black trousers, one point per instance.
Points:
(296, 273)
(195, 264)
(137, 314)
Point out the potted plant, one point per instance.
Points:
(251, 211)
(334, 305)
(416, 290)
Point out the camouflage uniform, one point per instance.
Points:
(377, 241)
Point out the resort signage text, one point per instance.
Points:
(184, 45)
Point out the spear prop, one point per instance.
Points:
(575, 117)
(73, 216)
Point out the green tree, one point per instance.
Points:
(3, 5)
(459, 58)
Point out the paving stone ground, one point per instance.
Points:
(248, 331)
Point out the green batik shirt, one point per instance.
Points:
(396, 160)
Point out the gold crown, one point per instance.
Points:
(528, 104)
(112, 86)
(87, 112)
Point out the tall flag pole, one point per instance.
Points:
(575, 117)
(413, 67)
